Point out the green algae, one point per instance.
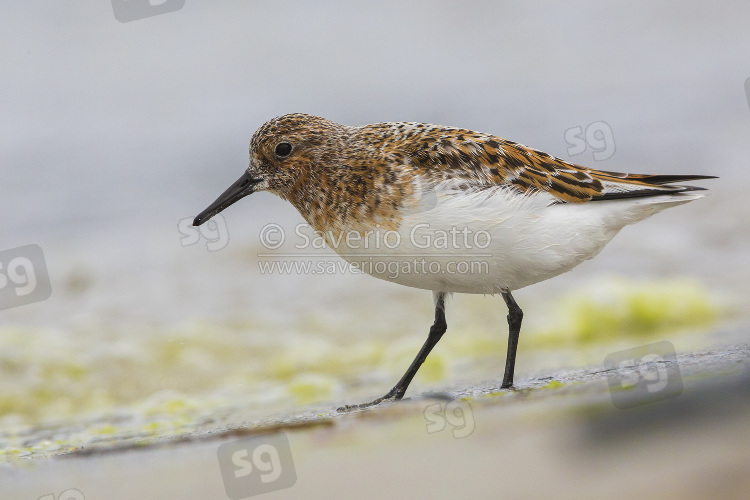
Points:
(61, 375)
(308, 388)
(623, 308)
(553, 384)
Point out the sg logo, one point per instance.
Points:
(215, 231)
(643, 375)
(598, 136)
(132, 10)
(256, 465)
(71, 494)
(457, 414)
(23, 277)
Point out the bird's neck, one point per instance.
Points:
(357, 192)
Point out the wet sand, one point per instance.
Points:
(555, 436)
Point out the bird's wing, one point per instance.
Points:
(480, 160)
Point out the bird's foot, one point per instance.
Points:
(392, 396)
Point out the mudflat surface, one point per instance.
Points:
(558, 435)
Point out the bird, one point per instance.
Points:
(413, 200)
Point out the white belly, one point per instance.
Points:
(495, 240)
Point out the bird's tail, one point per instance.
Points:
(619, 186)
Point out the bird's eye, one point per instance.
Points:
(283, 149)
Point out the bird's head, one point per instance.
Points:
(284, 153)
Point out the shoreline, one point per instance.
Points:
(554, 424)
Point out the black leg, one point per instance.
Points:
(515, 315)
(436, 332)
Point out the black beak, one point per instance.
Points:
(244, 186)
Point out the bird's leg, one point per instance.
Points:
(437, 330)
(515, 315)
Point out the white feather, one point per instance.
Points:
(501, 240)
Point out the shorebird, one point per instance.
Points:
(420, 200)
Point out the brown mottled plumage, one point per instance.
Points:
(351, 177)
(542, 216)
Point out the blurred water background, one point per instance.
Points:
(112, 133)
